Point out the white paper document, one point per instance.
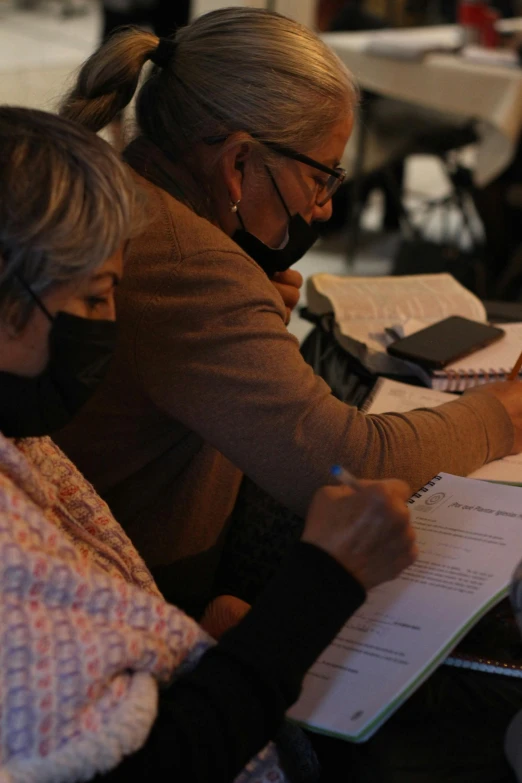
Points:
(508, 469)
(469, 535)
(395, 397)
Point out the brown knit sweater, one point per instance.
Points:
(207, 377)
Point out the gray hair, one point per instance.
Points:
(235, 69)
(66, 204)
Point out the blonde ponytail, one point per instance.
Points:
(108, 79)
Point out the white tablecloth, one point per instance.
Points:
(490, 94)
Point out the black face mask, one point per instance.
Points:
(80, 350)
(301, 237)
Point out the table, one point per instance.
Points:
(446, 82)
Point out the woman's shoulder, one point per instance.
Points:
(174, 234)
(17, 474)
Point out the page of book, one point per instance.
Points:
(365, 306)
(394, 397)
(469, 535)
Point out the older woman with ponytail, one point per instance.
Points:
(241, 121)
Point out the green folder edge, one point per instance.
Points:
(379, 719)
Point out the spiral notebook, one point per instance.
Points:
(469, 536)
(494, 645)
(493, 363)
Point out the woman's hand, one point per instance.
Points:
(222, 613)
(288, 284)
(509, 393)
(367, 531)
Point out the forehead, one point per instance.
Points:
(330, 148)
(111, 267)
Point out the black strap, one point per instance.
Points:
(164, 53)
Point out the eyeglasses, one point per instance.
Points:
(327, 189)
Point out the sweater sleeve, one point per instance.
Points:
(215, 719)
(212, 350)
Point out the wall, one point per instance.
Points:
(302, 10)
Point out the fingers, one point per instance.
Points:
(289, 294)
(377, 497)
(383, 518)
(325, 496)
(368, 530)
(223, 613)
(389, 488)
(288, 284)
(289, 277)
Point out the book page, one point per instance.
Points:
(469, 535)
(365, 306)
(395, 397)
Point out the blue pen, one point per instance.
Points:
(344, 476)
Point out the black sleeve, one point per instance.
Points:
(212, 721)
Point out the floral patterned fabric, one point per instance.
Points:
(85, 635)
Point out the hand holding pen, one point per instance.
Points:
(513, 375)
(364, 525)
(509, 394)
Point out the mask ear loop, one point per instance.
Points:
(274, 183)
(283, 202)
(36, 299)
(241, 223)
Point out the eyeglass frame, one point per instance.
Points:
(338, 174)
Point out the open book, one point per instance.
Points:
(470, 540)
(365, 307)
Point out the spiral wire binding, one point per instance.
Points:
(464, 660)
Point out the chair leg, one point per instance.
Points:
(396, 194)
(504, 287)
(356, 207)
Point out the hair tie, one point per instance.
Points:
(164, 52)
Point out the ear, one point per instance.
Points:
(233, 163)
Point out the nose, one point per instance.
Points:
(324, 213)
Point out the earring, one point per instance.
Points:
(233, 205)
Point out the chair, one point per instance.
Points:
(389, 131)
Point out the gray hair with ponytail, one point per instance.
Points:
(234, 69)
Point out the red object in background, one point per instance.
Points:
(488, 34)
(470, 14)
(478, 21)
